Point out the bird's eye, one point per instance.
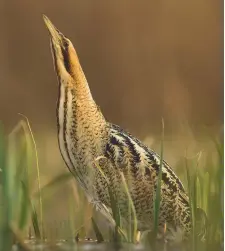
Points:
(65, 43)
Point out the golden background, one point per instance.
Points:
(144, 60)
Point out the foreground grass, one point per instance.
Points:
(22, 209)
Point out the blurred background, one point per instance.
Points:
(144, 60)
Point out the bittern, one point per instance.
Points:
(85, 136)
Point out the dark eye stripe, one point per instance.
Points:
(66, 56)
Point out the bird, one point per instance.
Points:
(101, 155)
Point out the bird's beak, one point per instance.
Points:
(55, 34)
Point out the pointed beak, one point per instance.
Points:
(55, 34)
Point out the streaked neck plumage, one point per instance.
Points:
(81, 125)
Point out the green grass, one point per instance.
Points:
(18, 156)
(21, 209)
(205, 189)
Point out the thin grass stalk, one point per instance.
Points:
(194, 203)
(35, 223)
(116, 215)
(114, 205)
(205, 193)
(194, 194)
(13, 175)
(10, 171)
(215, 209)
(130, 236)
(37, 168)
(23, 183)
(157, 200)
(97, 231)
(189, 184)
(24, 206)
(132, 211)
(129, 213)
(6, 237)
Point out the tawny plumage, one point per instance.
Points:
(86, 137)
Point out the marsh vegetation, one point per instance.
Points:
(24, 200)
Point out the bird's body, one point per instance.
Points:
(97, 152)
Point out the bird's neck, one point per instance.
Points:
(82, 131)
(78, 113)
(78, 110)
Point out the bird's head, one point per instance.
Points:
(65, 58)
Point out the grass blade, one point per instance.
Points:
(24, 211)
(158, 189)
(35, 222)
(98, 233)
(6, 236)
(30, 140)
(132, 213)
